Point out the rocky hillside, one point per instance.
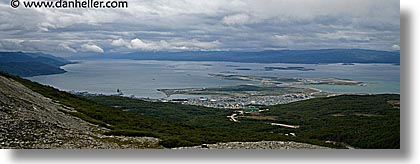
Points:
(30, 120)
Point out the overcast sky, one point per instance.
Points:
(169, 25)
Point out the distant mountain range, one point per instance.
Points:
(274, 56)
(31, 64)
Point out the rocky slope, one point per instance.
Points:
(30, 120)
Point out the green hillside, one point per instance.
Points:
(361, 121)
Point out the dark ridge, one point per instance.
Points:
(31, 64)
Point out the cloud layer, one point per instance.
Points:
(173, 25)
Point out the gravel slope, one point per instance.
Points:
(30, 120)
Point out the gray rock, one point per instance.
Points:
(30, 120)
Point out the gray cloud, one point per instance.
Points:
(204, 25)
(139, 44)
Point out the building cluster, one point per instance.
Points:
(242, 102)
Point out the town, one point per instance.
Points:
(241, 102)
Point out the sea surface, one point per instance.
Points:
(142, 78)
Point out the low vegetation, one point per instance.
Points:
(361, 121)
